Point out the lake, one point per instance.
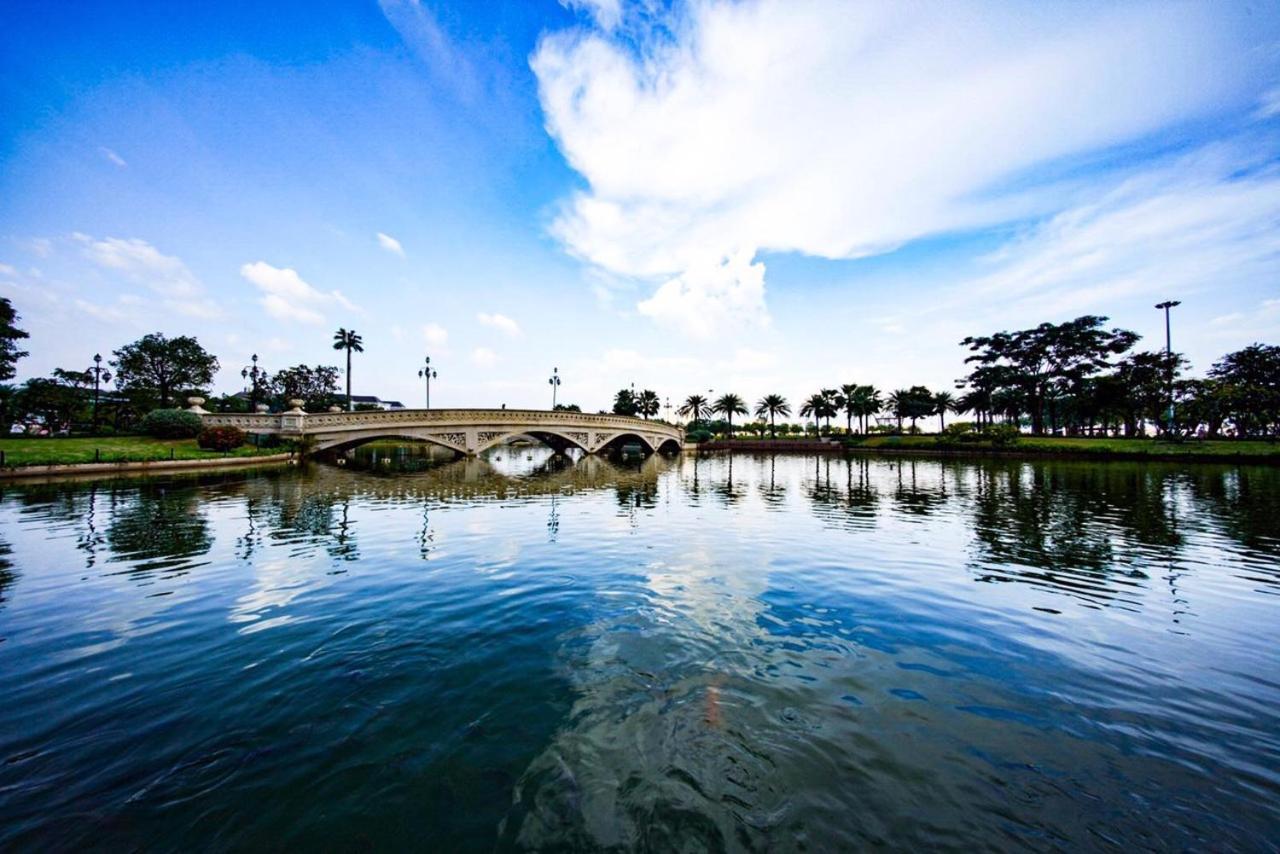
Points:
(717, 653)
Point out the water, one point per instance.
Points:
(790, 653)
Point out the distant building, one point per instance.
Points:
(371, 400)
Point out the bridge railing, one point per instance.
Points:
(297, 421)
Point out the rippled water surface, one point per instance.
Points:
(521, 652)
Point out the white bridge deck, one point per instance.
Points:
(467, 431)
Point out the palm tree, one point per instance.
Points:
(849, 402)
(899, 402)
(772, 405)
(349, 340)
(831, 405)
(694, 408)
(814, 407)
(648, 403)
(730, 405)
(944, 402)
(869, 403)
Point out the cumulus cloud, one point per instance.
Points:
(483, 357)
(139, 262)
(389, 243)
(286, 296)
(607, 14)
(840, 131)
(435, 335)
(500, 322)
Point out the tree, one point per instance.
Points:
(867, 403)
(50, 401)
(648, 403)
(943, 402)
(729, 405)
(695, 408)
(156, 367)
(897, 402)
(816, 407)
(1046, 360)
(315, 387)
(849, 402)
(567, 407)
(10, 335)
(349, 340)
(1251, 380)
(625, 402)
(771, 406)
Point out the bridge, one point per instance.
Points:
(467, 431)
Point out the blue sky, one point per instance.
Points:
(757, 196)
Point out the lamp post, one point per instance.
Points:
(100, 375)
(253, 376)
(1168, 357)
(426, 372)
(554, 382)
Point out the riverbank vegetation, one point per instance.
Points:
(23, 451)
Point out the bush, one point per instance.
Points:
(698, 436)
(221, 438)
(170, 424)
(1001, 435)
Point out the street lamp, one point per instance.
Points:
(1168, 356)
(253, 376)
(554, 382)
(100, 375)
(426, 372)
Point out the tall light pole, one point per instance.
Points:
(1168, 357)
(100, 375)
(555, 386)
(428, 373)
(253, 376)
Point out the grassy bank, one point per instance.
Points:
(1108, 448)
(113, 449)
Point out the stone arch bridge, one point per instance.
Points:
(467, 431)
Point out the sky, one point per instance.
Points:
(766, 196)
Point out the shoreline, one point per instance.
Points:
(1015, 452)
(57, 470)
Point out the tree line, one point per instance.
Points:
(153, 372)
(1077, 378)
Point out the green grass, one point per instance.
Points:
(1098, 447)
(113, 449)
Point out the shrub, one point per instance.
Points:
(170, 424)
(221, 438)
(698, 436)
(1001, 435)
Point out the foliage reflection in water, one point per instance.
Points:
(729, 652)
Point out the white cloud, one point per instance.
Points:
(1206, 221)
(6, 270)
(838, 130)
(141, 263)
(286, 296)
(1269, 104)
(435, 335)
(113, 157)
(389, 243)
(483, 357)
(500, 322)
(606, 13)
(710, 297)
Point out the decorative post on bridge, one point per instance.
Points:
(555, 386)
(428, 373)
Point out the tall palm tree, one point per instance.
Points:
(849, 402)
(772, 405)
(899, 402)
(648, 403)
(695, 408)
(831, 405)
(869, 403)
(815, 406)
(349, 340)
(730, 405)
(944, 402)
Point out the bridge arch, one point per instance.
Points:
(540, 434)
(346, 442)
